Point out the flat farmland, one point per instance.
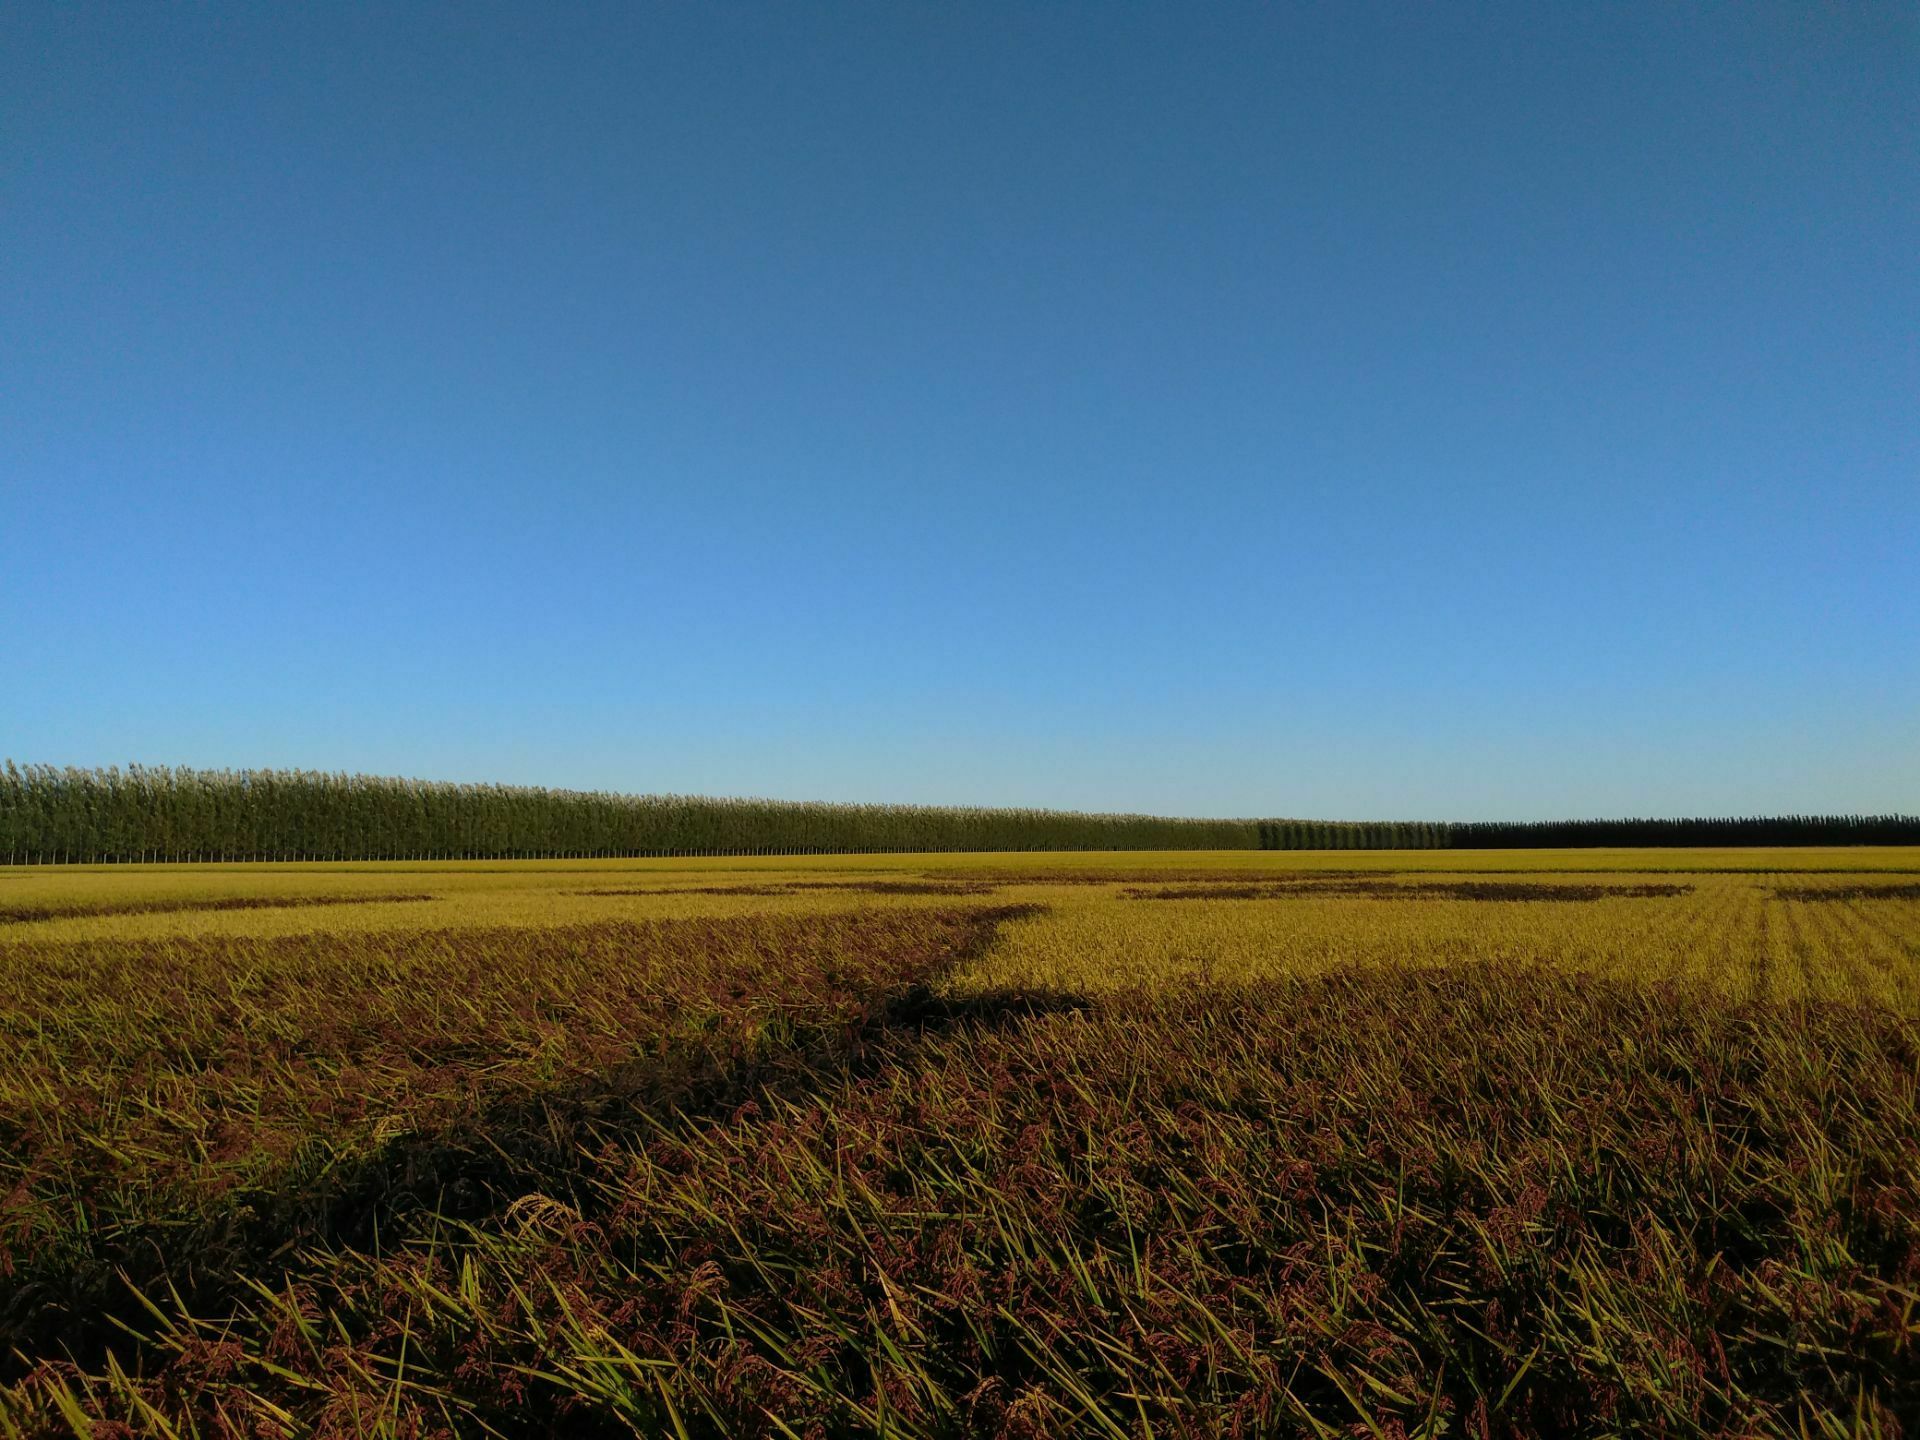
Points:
(1182, 1143)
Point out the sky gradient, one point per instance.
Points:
(1349, 411)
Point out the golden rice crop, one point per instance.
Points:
(1126, 1145)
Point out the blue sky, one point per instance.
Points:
(1366, 411)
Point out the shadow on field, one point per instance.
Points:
(80, 1298)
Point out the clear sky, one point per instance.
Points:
(1452, 411)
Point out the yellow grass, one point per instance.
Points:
(1732, 931)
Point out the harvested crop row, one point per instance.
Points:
(1907, 891)
(802, 887)
(1485, 890)
(26, 914)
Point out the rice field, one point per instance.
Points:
(1375, 1143)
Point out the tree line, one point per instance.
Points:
(54, 814)
(159, 813)
(1699, 831)
(1352, 834)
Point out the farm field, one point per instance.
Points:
(1154, 1143)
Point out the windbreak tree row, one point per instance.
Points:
(50, 814)
(1698, 831)
(53, 814)
(1587, 834)
(1352, 834)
